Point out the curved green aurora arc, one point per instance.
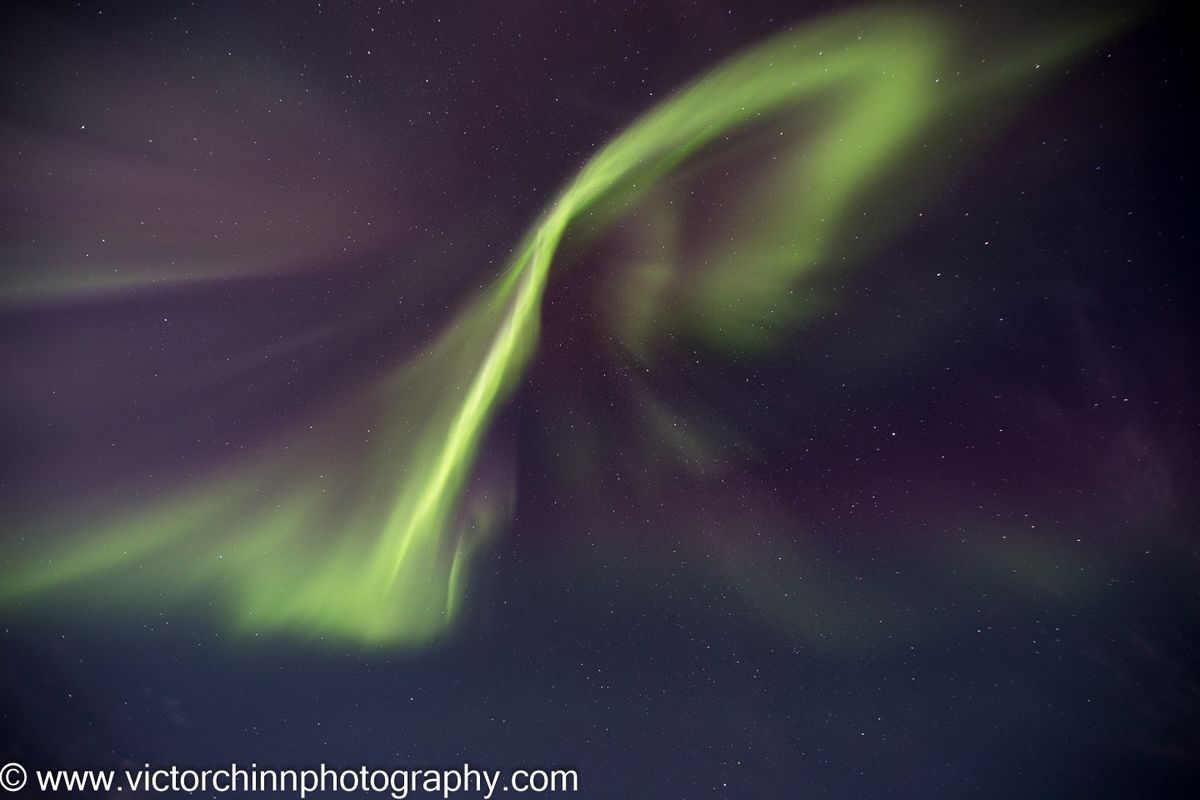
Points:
(374, 547)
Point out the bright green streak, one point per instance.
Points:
(374, 547)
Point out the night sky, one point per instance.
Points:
(745, 400)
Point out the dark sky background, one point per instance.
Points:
(990, 449)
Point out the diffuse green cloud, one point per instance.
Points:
(372, 544)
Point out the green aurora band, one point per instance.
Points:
(373, 546)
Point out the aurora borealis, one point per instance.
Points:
(824, 350)
(394, 571)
